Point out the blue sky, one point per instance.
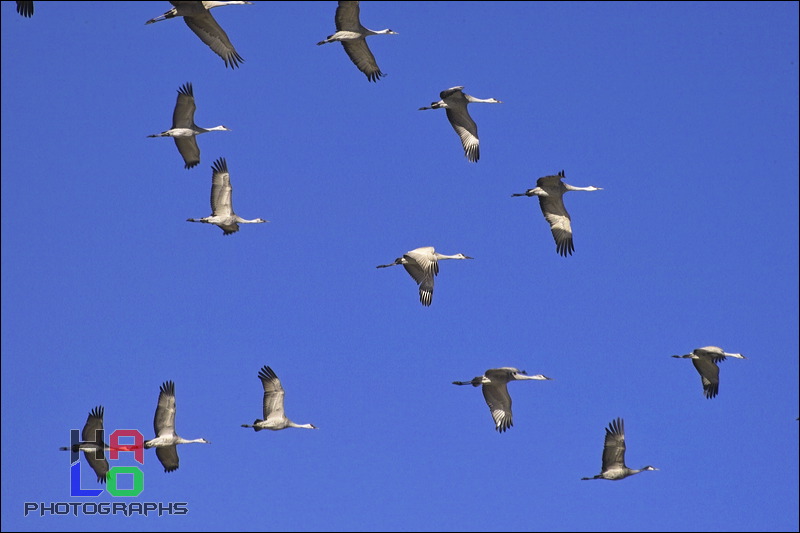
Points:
(686, 114)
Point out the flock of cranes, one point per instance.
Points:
(493, 383)
(422, 264)
(166, 440)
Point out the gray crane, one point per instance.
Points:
(705, 361)
(614, 467)
(274, 414)
(222, 214)
(92, 444)
(550, 190)
(423, 264)
(454, 101)
(353, 37)
(184, 130)
(167, 439)
(494, 383)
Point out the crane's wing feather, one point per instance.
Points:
(273, 394)
(362, 57)
(556, 215)
(97, 460)
(164, 420)
(466, 129)
(499, 402)
(93, 429)
(614, 446)
(423, 270)
(183, 114)
(25, 8)
(709, 375)
(347, 16)
(93, 432)
(221, 189)
(187, 146)
(211, 33)
(168, 455)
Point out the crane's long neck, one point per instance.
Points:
(241, 220)
(209, 5)
(473, 100)
(215, 128)
(442, 256)
(181, 440)
(537, 376)
(736, 355)
(305, 426)
(569, 187)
